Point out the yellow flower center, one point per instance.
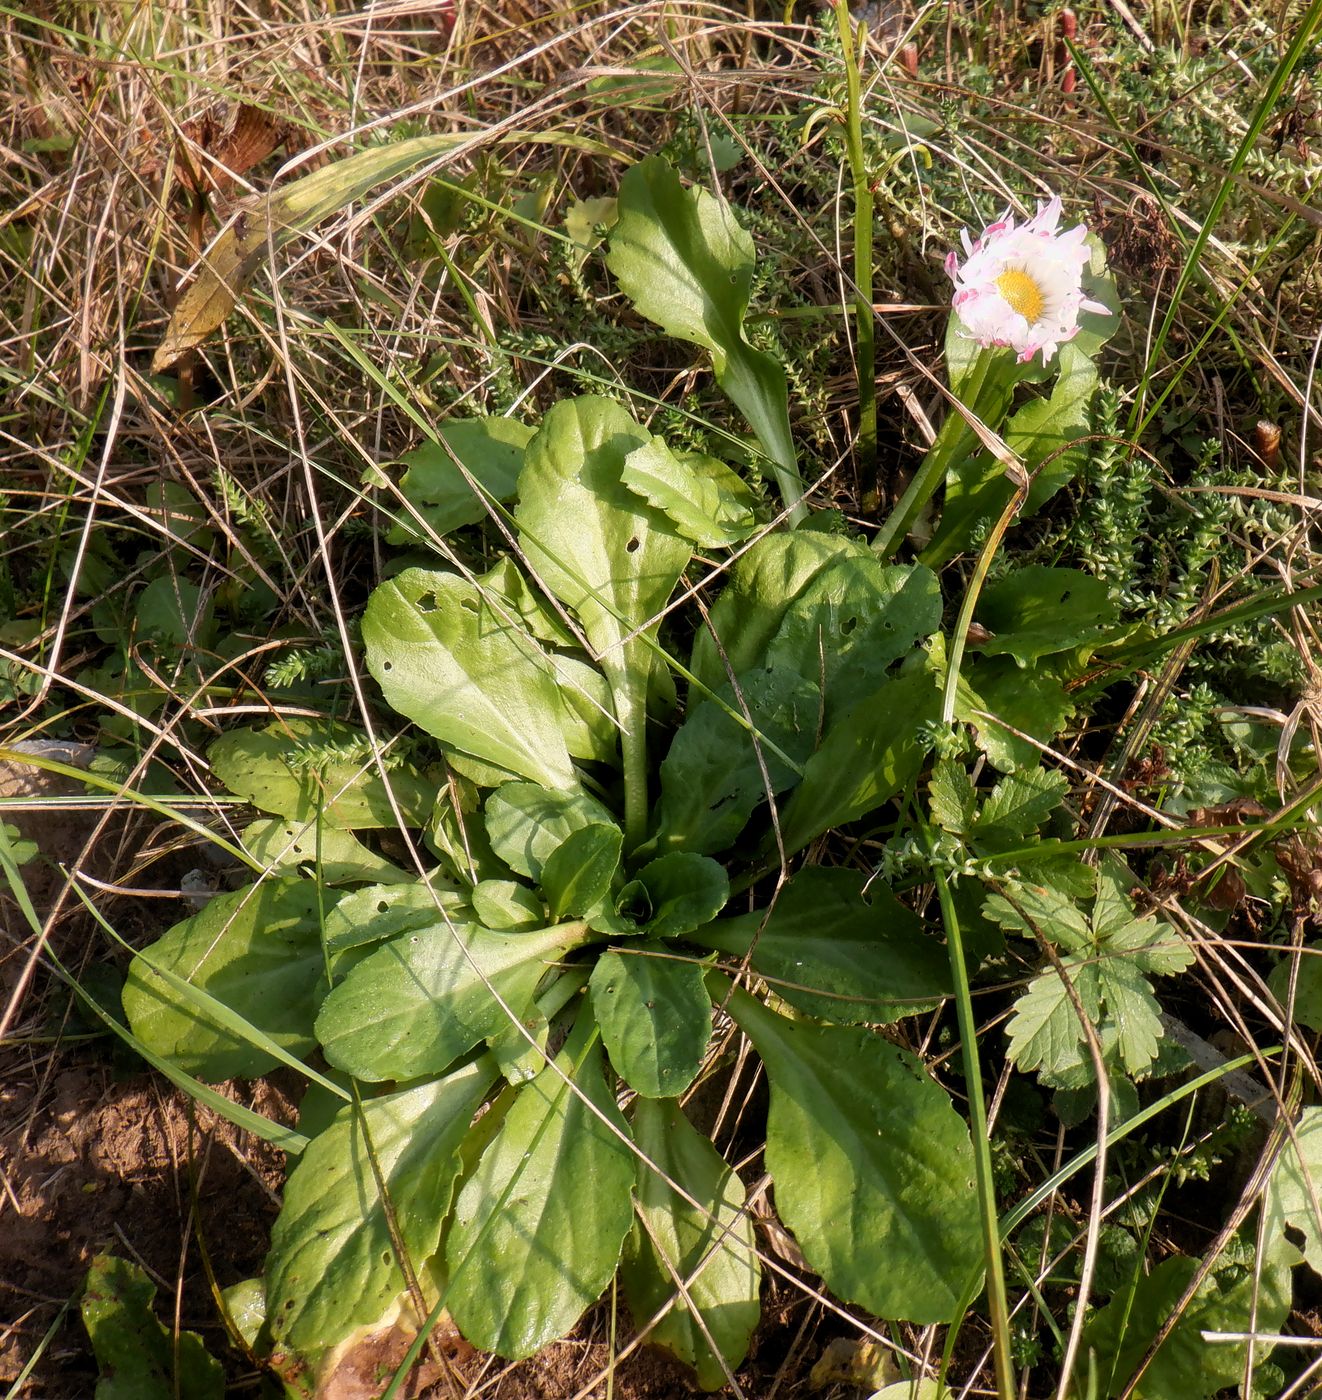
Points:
(1021, 293)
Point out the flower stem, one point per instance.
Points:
(865, 348)
(983, 390)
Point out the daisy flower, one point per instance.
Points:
(1022, 287)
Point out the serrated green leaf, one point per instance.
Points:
(711, 781)
(655, 1017)
(468, 674)
(873, 1167)
(1020, 803)
(415, 1005)
(684, 891)
(526, 823)
(490, 450)
(539, 1224)
(951, 797)
(137, 1357)
(266, 768)
(713, 1251)
(686, 264)
(577, 875)
(840, 947)
(258, 952)
(708, 505)
(1039, 909)
(865, 759)
(339, 857)
(332, 1264)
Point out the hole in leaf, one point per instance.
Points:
(848, 625)
(387, 665)
(381, 906)
(633, 545)
(427, 602)
(468, 605)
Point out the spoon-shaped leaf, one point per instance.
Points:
(539, 1225)
(873, 1167)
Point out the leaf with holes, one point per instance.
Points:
(468, 674)
(711, 1248)
(490, 452)
(414, 1005)
(282, 845)
(711, 780)
(864, 759)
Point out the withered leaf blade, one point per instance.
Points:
(271, 220)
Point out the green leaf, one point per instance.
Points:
(839, 946)
(685, 263)
(951, 797)
(1295, 1189)
(873, 1167)
(711, 781)
(468, 673)
(655, 1017)
(1108, 962)
(1032, 703)
(332, 1265)
(283, 844)
(526, 824)
(539, 1225)
(258, 952)
(596, 546)
(1037, 611)
(379, 912)
(506, 905)
(704, 499)
(851, 622)
(172, 614)
(865, 759)
(289, 768)
(577, 875)
(1186, 1367)
(684, 890)
(415, 1005)
(713, 1251)
(1019, 804)
(489, 449)
(138, 1358)
(762, 583)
